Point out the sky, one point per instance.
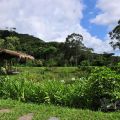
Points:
(53, 20)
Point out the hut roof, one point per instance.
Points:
(5, 53)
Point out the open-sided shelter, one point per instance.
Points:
(7, 56)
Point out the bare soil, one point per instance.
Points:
(5, 110)
(26, 117)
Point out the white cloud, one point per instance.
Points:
(48, 19)
(41, 16)
(97, 44)
(110, 12)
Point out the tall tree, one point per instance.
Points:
(115, 36)
(73, 46)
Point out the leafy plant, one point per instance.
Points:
(103, 82)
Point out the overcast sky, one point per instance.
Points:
(53, 20)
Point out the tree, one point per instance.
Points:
(9, 43)
(115, 36)
(8, 40)
(49, 52)
(73, 46)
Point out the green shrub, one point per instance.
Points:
(85, 63)
(50, 63)
(3, 71)
(38, 63)
(118, 64)
(12, 88)
(115, 68)
(102, 82)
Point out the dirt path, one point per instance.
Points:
(26, 117)
(5, 110)
(53, 118)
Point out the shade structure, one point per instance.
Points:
(9, 54)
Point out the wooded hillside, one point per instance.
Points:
(72, 52)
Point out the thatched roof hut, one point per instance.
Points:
(9, 54)
(6, 59)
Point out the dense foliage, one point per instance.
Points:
(81, 92)
(72, 52)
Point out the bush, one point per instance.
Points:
(38, 63)
(103, 82)
(3, 71)
(50, 63)
(115, 68)
(118, 64)
(85, 63)
(35, 63)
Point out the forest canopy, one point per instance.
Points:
(72, 52)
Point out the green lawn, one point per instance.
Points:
(44, 112)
